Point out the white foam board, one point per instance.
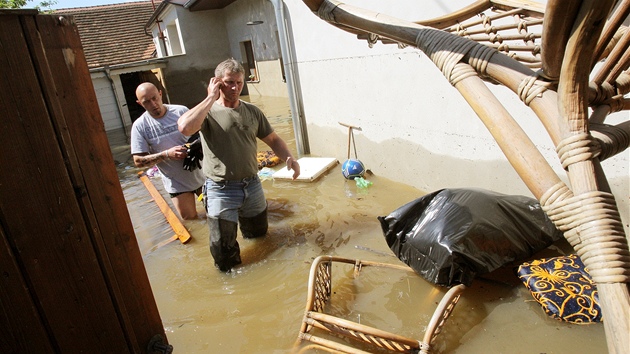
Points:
(310, 169)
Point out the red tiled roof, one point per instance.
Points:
(114, 34)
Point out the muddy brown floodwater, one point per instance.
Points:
(258, 307)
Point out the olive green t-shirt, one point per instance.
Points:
(229, 141)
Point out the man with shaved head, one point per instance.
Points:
(155, 140)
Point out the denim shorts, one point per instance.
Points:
(230, 199)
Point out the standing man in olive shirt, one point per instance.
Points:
(233, 193)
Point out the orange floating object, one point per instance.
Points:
(180, 231)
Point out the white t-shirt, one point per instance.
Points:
(153, 135)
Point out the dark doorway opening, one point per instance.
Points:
(130, 82)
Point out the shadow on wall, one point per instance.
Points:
(189, 87)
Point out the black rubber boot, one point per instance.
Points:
(255, 226)
(223, 245)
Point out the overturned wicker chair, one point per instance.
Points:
(317, 325)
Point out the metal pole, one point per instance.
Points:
(299, 122)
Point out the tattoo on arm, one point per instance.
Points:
(149, 160)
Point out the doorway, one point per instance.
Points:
(249, 62)
(130, 82)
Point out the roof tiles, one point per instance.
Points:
(114, 34)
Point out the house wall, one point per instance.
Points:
(206, 44)
(271, 82)
(106, 102)
(212, 36)
(416, 128)
(264, 41)
(262, 36)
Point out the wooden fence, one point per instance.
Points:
(72, 277)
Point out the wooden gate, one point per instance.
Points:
(72, 277)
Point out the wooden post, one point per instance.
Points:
(350, 136)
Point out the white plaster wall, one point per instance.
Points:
(264, 41)
(416, 128)
(106, 102)
(271, 83)
(206, 36)
(186, 76)
(263, 36)
(119, 92)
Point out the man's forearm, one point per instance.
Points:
(278, 146)
(281, 150)
(190, 122)
(150, 160)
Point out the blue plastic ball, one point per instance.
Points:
(352, 169)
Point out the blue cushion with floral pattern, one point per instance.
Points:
(563, 287)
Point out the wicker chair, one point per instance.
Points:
(317, 324)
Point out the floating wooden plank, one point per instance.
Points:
(181, 233)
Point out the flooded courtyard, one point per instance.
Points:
(258, 307)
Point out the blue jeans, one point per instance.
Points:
(228, 204)
(230, 199)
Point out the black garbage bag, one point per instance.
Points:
(452, 235)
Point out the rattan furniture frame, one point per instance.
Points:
(317, 325)
(575, 76)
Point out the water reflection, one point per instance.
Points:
(258, 307)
